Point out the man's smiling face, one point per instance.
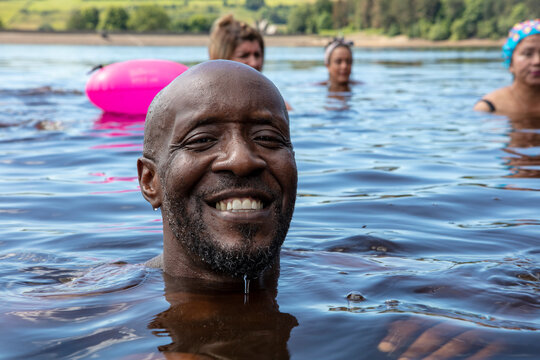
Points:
(227, 170)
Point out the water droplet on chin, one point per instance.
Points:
(246, 285)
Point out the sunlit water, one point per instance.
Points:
(410, 206)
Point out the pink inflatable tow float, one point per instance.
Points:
(129, 87)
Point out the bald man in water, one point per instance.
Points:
(218, 161)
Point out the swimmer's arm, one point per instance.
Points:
(481, 105)
(418, 338)
(288, 106)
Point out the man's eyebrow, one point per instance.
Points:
(262, 118)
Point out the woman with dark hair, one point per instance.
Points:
(338, 60)
(521, 53)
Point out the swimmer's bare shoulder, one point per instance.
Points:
(156, 262)
(499, 98)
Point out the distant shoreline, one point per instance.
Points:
(137, 39)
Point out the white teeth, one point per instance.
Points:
(239, 204)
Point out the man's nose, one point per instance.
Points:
(239, 158)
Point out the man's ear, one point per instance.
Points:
(149, 181)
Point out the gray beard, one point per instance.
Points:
(192, 234)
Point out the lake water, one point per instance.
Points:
(410, 208)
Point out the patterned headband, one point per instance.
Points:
(519, 32)
(333, 45)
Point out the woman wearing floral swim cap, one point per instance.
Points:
(521, 53)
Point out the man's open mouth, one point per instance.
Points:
(239, 204)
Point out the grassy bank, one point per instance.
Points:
(36, 14)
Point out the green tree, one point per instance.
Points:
(486, 29)
(533, 7)
(301, 20)
(254, 4)
(180, 26)
(452, 9)
(439, 31)
(427, 9)
(86, 19)
(45, 27)
(323, 6)
(519, 13)
(379, 15)
(462, 29)
(401, 14)
(362, 13)
(276, 14)
(199, 23)
(116, 18)
(149, 18)
(341, 10)
(1, 24)
(324, 21)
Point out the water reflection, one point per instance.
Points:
(338, 101)
(524, 148)
(220, 323)
(123, 122)
(111, 125)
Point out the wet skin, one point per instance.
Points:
(339, 69)
(526, 61)
(224, 172)
(249, 53)
(522, 97)
(210, 323)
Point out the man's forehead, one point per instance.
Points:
(227, 86)
(189, 118)
(218, 73)
(244, 95)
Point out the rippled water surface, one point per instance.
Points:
(413, 213)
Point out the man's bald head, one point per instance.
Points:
(211, 81)
(219, 162)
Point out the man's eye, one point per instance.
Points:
(200, 143)
(270, 140)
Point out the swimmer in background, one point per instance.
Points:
(521, 54)
(234, 40)
(338, 60)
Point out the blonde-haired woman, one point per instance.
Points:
(235, 40)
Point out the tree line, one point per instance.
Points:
(144, 18)
(428, 19)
